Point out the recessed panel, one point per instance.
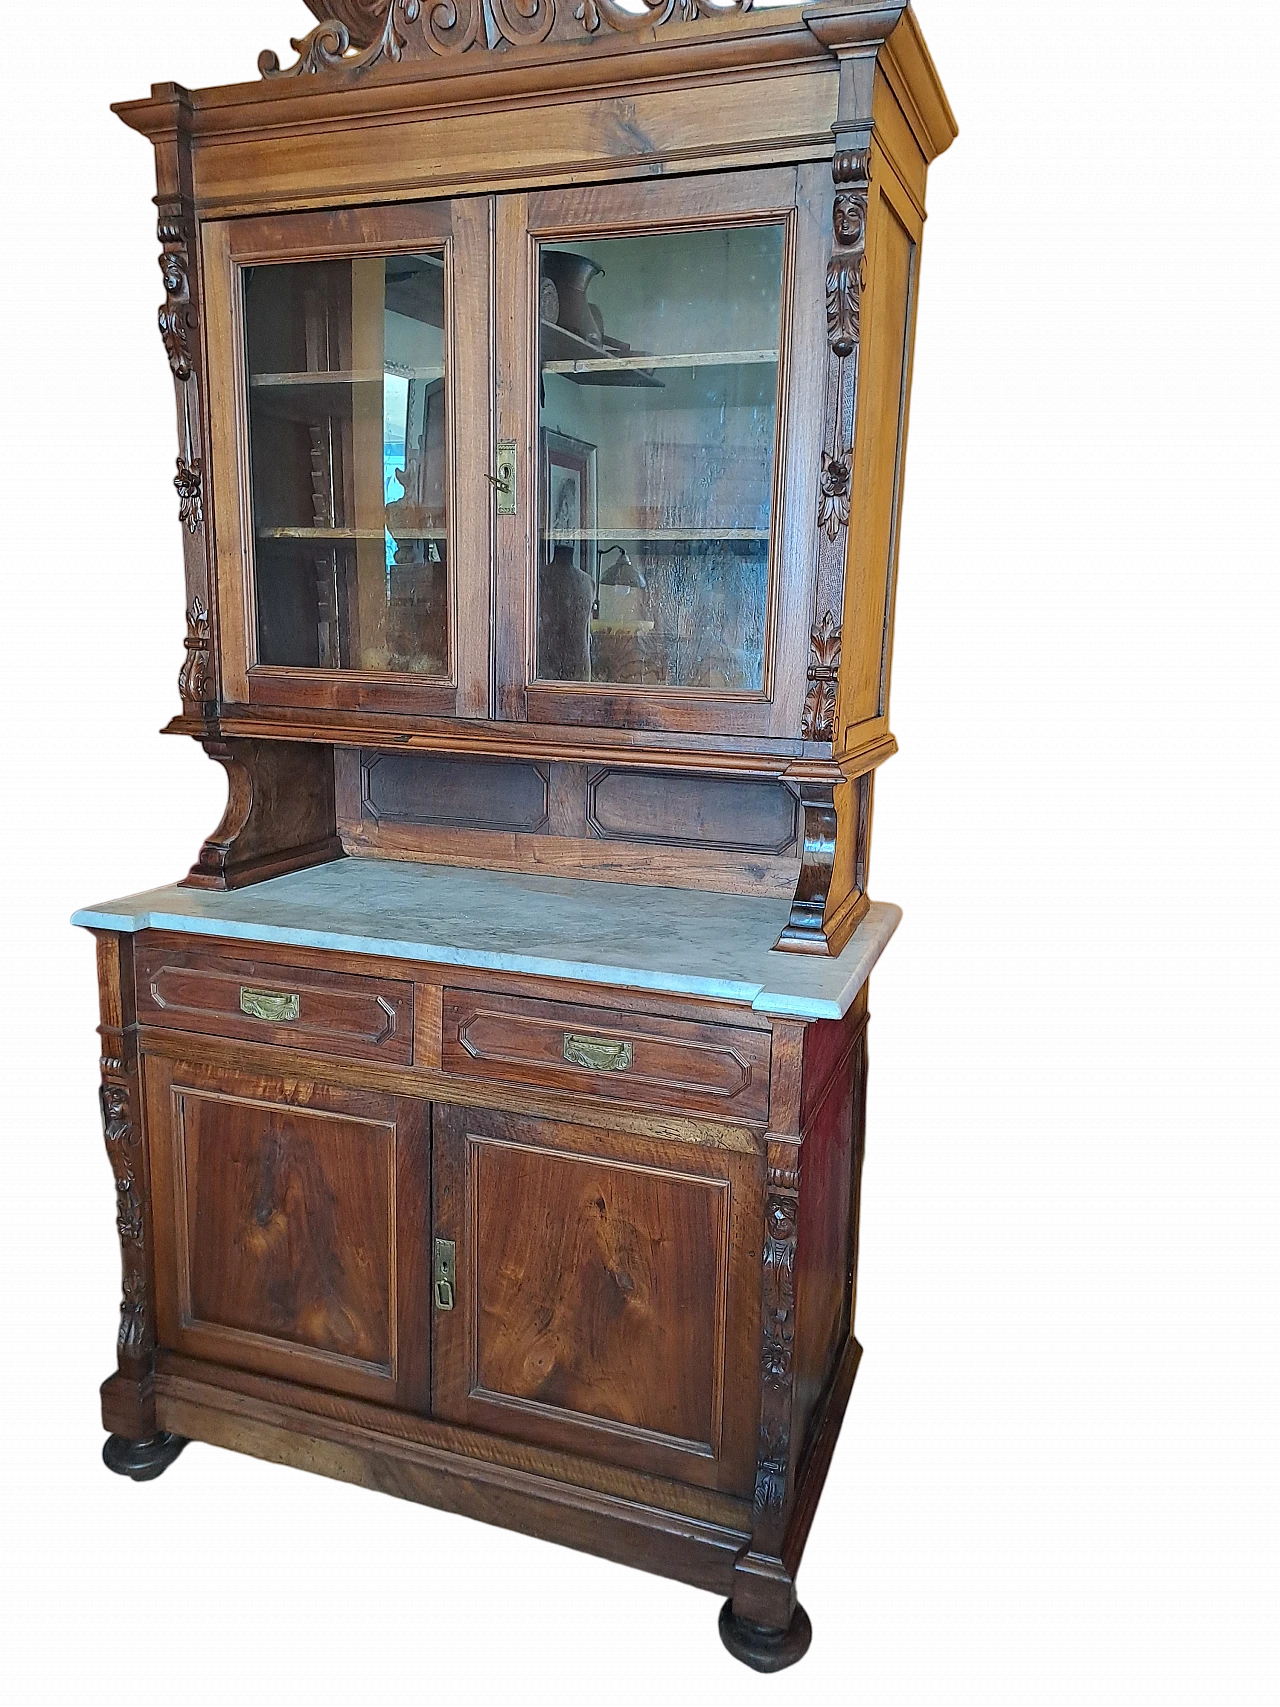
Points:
(599, 1290)
(286, 1216)
(741, 816)
(479, 794)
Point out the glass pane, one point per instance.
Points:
(659, 416)
(346, 364)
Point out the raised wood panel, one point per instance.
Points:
(669, 1063)
(604, 1295)
(188, 989)
(479, 794)
(291, 1229)
(691, 811)
(417, 154)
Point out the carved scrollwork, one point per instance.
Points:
(818, 723)
(177, 322)
(194, 682)
(355, 35)
(117, 1128)
(189, 484)
(777, 1352)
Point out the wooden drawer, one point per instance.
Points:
(669, 1063)
(266, 1002)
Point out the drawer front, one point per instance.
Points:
(264, 1002)
(605, 1052)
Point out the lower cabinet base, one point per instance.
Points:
(710, 1551)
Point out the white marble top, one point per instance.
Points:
(682, 941)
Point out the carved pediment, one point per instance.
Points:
(354, 35)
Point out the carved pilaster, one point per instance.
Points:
(180, 332)
(123, 1134)
(850, 171)
(777, 1345)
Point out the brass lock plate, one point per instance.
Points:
(444, 1277)
(504, 477)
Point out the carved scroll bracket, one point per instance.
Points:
(803, 932)
(177, 316)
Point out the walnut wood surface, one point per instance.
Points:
(673, 1064)
(606, 1293)
(291, 1226)
(651, 1345)
(192, 990)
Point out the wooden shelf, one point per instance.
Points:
(651, 364)
(344, 376)
(620, 535)
(350, 533)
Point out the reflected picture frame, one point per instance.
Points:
(569, 498)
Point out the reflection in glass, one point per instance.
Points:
(346, 370)
(659, 359)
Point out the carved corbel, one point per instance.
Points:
(280, 813)
(177, 315)
(803, 933)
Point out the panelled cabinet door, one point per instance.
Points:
(350, 431)
(664, 347)
(598, 1293)
(291, 1229)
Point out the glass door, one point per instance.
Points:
(662, 345)
(362, 552)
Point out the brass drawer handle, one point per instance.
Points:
(273, 1005)
(600, 1054)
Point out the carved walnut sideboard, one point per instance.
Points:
(486, 1105)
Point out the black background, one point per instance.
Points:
(243, 1542)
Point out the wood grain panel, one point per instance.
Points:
(736, 814)
(477, 794)
(291, 1227)
(670, 1063)
(338, 1013)
(605, 1296)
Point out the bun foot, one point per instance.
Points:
(761, 1648)
(143, 1460)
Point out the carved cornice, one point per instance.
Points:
(355, 35)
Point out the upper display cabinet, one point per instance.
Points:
(542, 380)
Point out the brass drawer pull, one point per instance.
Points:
(273, 1005)
(600, 1054)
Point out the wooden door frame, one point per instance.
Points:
(462, 228)
(789, 193)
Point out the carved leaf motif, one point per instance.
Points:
(833, 493)
(844, 302)
(777, 1347)
(193, 678)
(190, 499)
(818, 720)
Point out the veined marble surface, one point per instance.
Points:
(680, 941)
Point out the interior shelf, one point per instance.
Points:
(350, 533)
(626, 363)
(621, 535)
(343, 376)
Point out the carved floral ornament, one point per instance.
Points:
(354, 35)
